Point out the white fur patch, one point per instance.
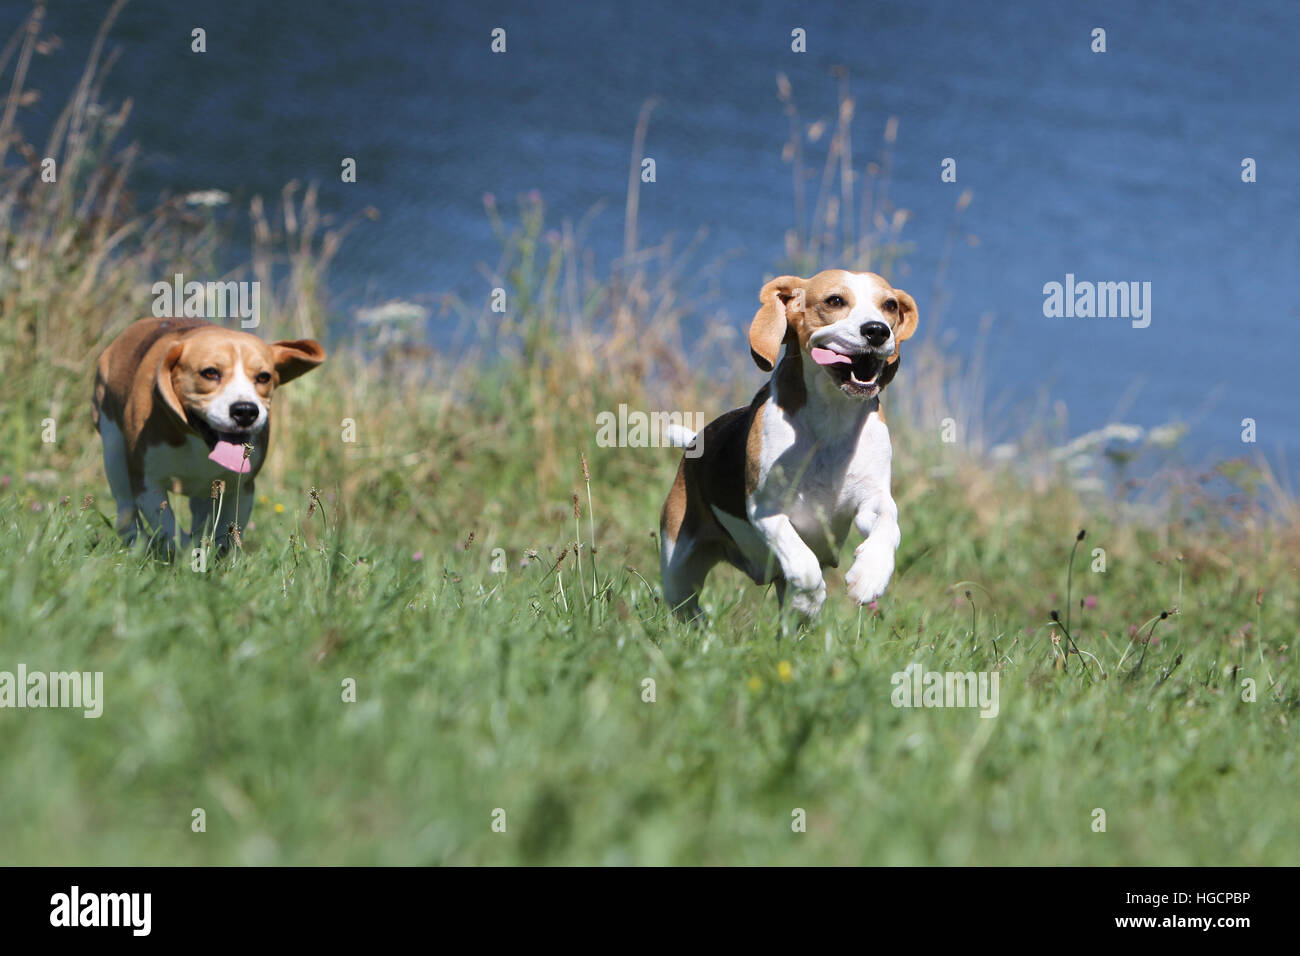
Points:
(239, 388)
(823, 470)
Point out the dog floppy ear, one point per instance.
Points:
(163, 381)
(296, 358)
(905, 329)
(769, 328)
(906, 317)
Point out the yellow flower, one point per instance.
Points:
(263, 499)
(785, 672)
(279, 509)
(755, 684)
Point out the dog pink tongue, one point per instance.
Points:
(229, 455)
(827, 357)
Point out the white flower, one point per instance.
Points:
(394, 310)
(1166, 435)
(1004, 452)
(1116, 431)
(207, 197)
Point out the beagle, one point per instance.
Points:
(176, 403)
(778, 483)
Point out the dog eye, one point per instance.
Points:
(263, 378)
(891, 305)
(835, 301)
(211, 374)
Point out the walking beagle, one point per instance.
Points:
(177, 403)
(777, 484)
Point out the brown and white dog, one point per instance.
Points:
(776, 485)
(175, 402)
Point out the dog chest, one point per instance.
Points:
(188, 467)
(822, 481)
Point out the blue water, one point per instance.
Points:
(1123, 166)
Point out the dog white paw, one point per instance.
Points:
(869, 577)
(808, 602)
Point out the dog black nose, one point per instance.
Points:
(876, 333)
(244, 413)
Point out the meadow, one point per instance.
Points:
(445, 611)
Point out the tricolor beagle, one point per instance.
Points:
(778, 483)
(176, 401)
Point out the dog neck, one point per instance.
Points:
(806, 393)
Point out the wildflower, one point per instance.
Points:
(755, 684)
(785, 672)
(394, 310)
(208, 198)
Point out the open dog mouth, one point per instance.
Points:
(225, 448)
(857, 375)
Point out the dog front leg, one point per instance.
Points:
(202, 521)
(153, 508)
(800, 567)
(236, 510)
(119, 479)
(873, 559)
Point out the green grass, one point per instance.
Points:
(479, 690)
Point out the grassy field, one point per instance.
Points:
(522, 689)
(478, 690)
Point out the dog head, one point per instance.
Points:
(219, 383)
(849, 323)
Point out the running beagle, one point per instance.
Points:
(777, 484)
(177, 404)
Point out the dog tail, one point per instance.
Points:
(679, 436)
